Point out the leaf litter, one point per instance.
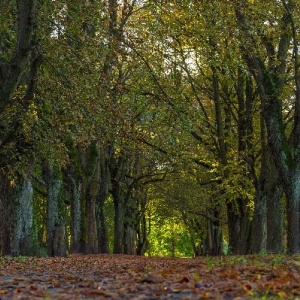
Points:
(150, 278)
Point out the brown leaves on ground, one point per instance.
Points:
(134, 277)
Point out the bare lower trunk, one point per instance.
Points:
(142, 228)
(293, 222)
(259, 224)
(239, 228)
(118, 226)
(26, 237)
(75, 226)
(213, 242)
(129, 240)
(130, 225)
(7, 220)
(142, 241)
(17, 226)
(92, 235)
(56, 235)
(91, 221)
(103, 242)
(275, 239)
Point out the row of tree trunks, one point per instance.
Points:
(105, 175)
(88, 180)
(248, 234)
(284, 154)
(239, 227)
(267, 225)
(18, 233)
(213, 243)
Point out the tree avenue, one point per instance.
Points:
(149, 128)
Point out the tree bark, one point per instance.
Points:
(142, 229)
(56, 235)
(26, 240)
(102, 228)
(130, 226)
(275, 226)
(7, 218)
(213, 241)
(92, 174)
(75, 188)
(118, 217)
(91, 222)
(17, 227)
(259, 224)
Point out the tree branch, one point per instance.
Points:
(21, 55)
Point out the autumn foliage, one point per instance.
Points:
(146, 127)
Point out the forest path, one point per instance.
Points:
(135, 277)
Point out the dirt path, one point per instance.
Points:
(132, 277)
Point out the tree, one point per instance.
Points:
(19, 64)
(100, 112)
(271, 78)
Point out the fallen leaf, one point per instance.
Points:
(152, 278)
(184, 279)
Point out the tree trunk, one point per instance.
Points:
(275, 239)
(103, 242)
(142, 241)
(118, 218)
(75, 214)
(129, 240)
(117, 168)
(288, 169)
(17, 226)
(56, 235)
(214, 238)
(91, 222)
(7, 218)
(142, 232)
(26, 235)
(88, 161)
(130, 224)
(259, 224)
(17, 237)
(92, 174)
(239, 228)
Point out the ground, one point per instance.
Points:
(135, 277)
